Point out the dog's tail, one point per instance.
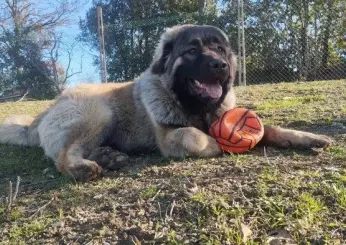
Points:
(20, 130)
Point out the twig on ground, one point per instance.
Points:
(54, 198)
(169, 217)
(12, 196)
(265, 155)
(157, 193)
(242, 194)
(135, 240)
(171, 212)
(9, 204)
(17, 188)
(160, 211)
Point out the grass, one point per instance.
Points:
(299, 195)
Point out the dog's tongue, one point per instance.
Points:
(212, 90)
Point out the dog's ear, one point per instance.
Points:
(159, 67)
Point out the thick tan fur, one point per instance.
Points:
(136, 115)
(14, 130)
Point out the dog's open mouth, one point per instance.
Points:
(210, 91)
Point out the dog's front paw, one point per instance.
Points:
(288, 138)
(306, 140)
(109, 158)
(318, 141)
(84, 171)
(199, 144)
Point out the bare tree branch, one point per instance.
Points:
(23, 97)
(55, 53)
(19, 19)
(67, 75)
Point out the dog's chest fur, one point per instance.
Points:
(130, 129)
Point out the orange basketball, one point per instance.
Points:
(237, 130)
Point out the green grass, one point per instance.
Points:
(156, 200)
(148, 192)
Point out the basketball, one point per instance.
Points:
(237, 130)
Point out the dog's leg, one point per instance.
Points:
(288, 138)
(186, 141)
(71, 161)
(84, 165)
(108, 158)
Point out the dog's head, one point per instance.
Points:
(197, 63)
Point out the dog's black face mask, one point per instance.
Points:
(200, 63)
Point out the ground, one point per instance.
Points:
(266, 196)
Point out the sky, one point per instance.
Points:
(90, 73)
(81, 52)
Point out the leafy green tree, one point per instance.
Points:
(289, 40)
(133, 28)
(25, 29)
(285, 40)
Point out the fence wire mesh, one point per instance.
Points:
(288, 40)
(284, 40)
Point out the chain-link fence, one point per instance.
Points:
(284, 40)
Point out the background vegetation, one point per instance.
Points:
(285, 40)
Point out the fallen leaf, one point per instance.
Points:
(141, 212)
(58, 224)
(99, 196)
(245, 232)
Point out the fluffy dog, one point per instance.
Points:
(169, 108)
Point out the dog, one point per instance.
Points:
(168, 108)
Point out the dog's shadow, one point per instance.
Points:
(38, 173)
(139, 162)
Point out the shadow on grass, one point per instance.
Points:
(38, 173)
(330, 128)
(29, 163)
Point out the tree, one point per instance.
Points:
(59, 74)
(33, 76)
(289, 40)
(285, 40)
(133, 27)
(25, 29)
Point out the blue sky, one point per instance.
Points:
(90, 73)
(81, 52)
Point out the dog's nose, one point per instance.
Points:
(217, 65)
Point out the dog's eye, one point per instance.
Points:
(192, 51)
(221, 49)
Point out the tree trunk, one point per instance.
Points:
(304, 39)
(326, 35)
(201, 11)
(132, 72)
(316, 49)
(140, 50)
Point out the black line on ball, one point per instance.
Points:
(251, 127)
(244, 115)
(233, 146)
